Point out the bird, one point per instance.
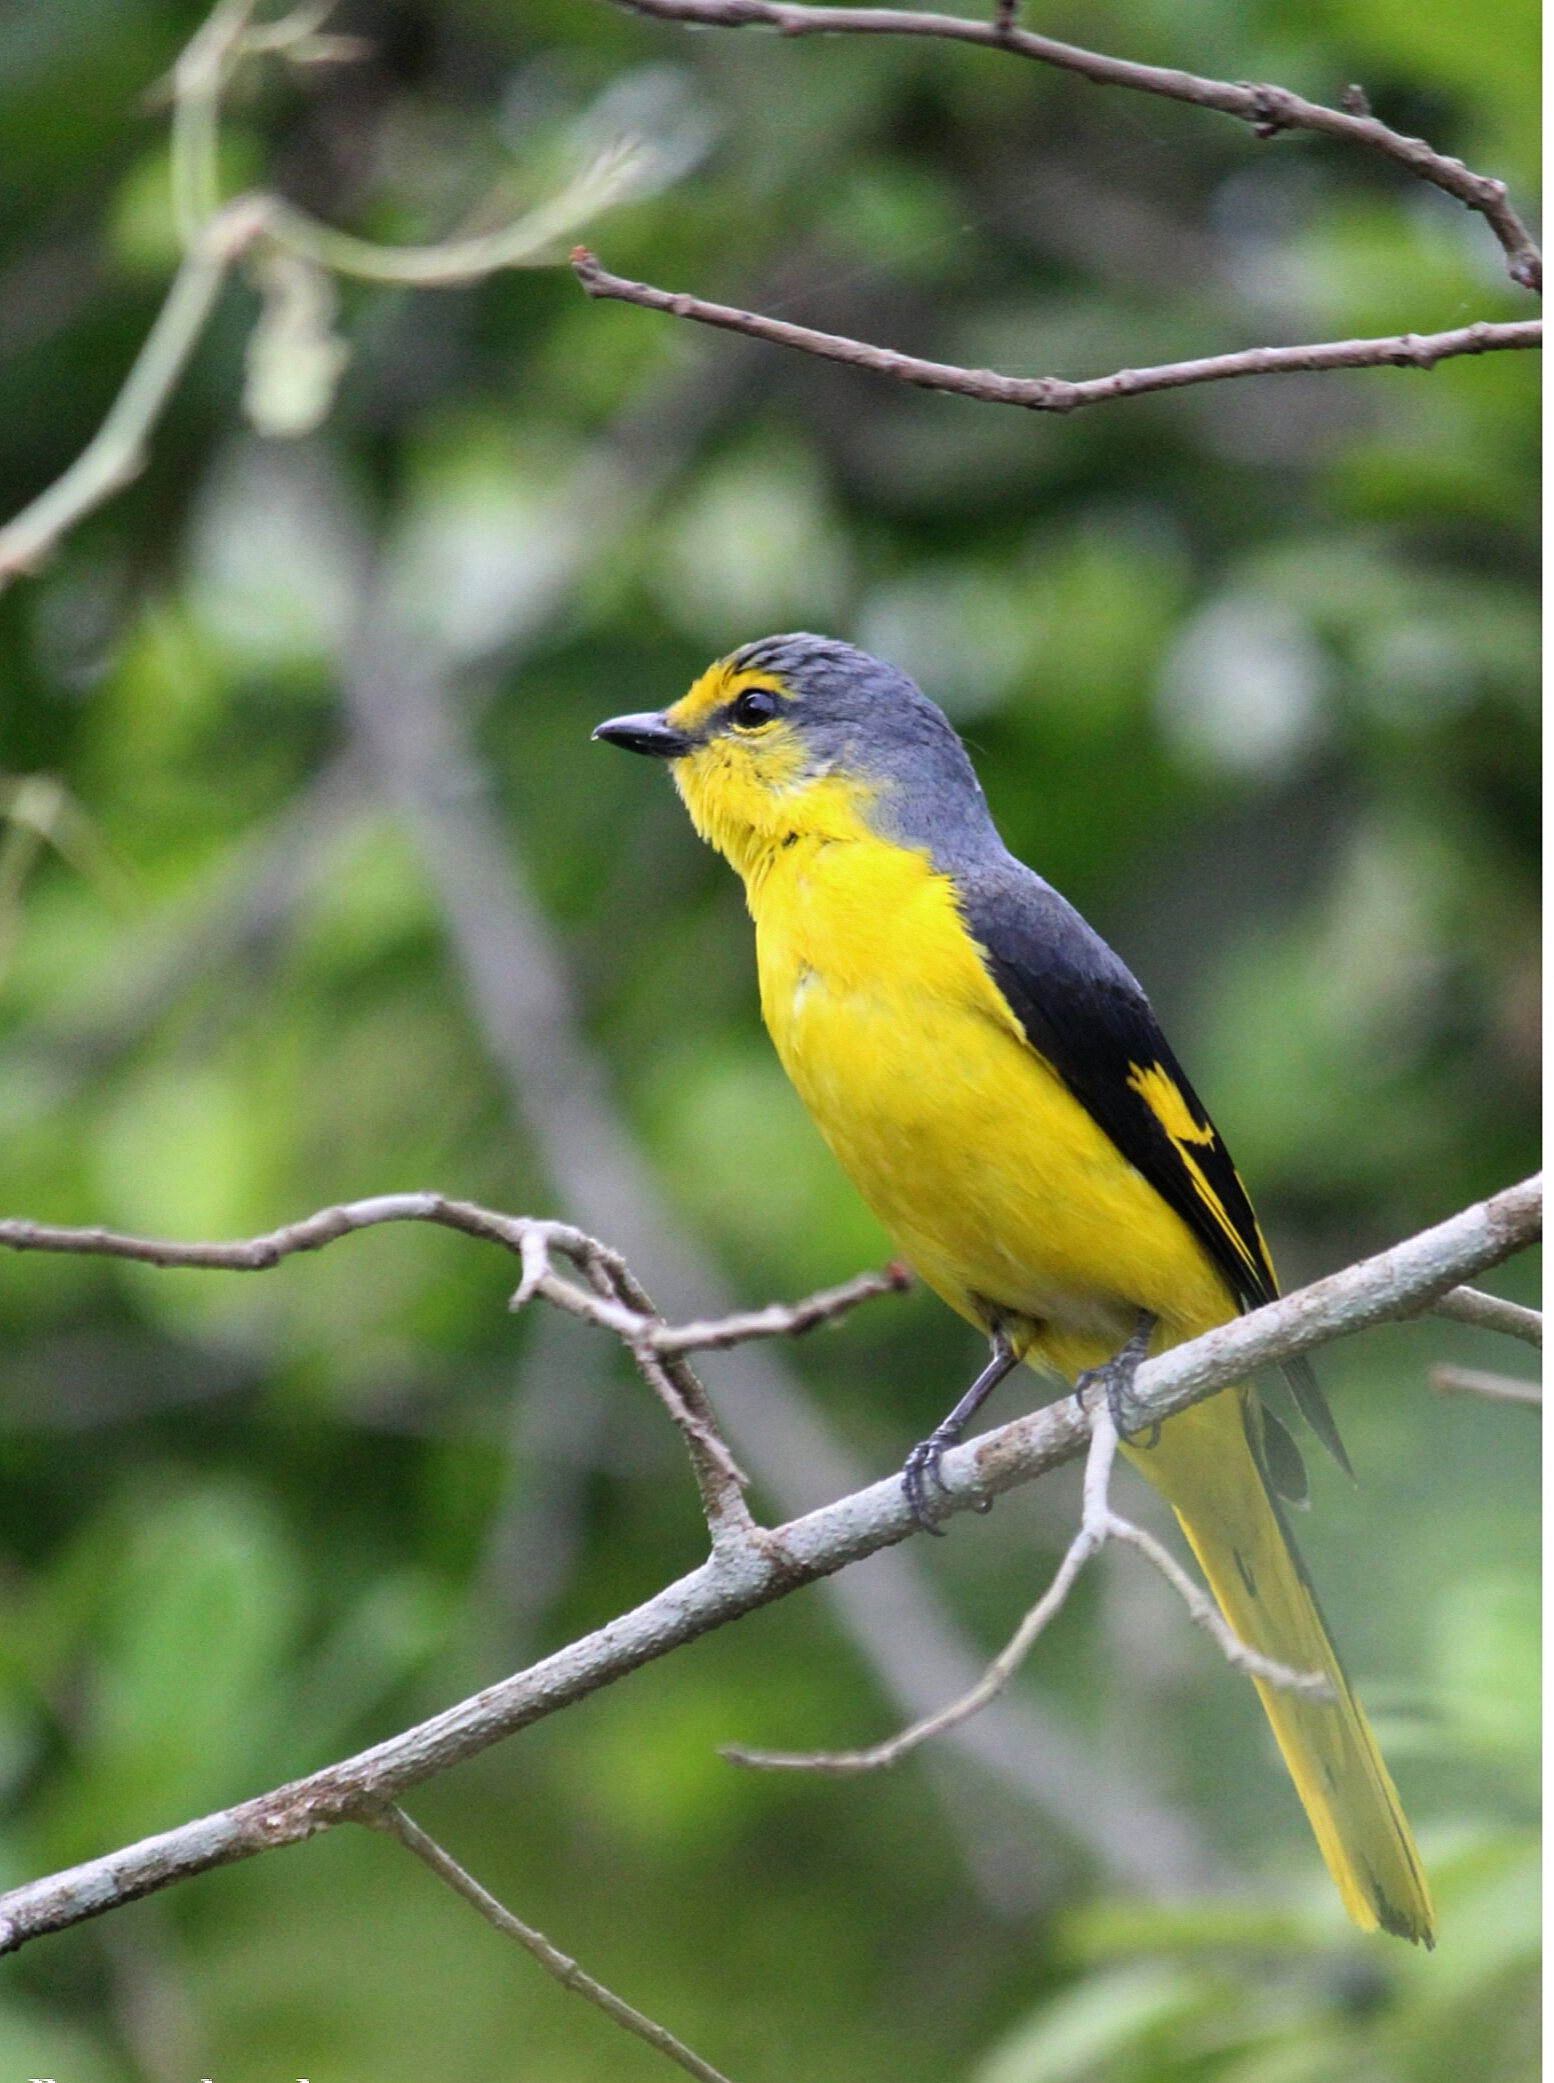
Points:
(994, 1081)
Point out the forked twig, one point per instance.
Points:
(216, 236)
(1098, 1524)
(612, 1299)
(750, 1571)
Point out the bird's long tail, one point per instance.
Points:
(1206, 1467)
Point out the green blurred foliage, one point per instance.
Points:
(1249, 673)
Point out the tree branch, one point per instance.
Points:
(1056, 393)
(215, 237)
(116, 454)
(555, 1963)
(1465, 1305)
(613, 1300)
(1494, 1388)
(1098, 1525)
(1268, 110)
(766, 1565)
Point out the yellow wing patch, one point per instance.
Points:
(1163, 1096)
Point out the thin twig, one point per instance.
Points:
(1495, 1388)
(200, 77)
(614, 1301)
(1401, 1282)
(215, 235)
(1468, 1305)
(116, 455)
(1056, 393)
(1103, 1445)
(555, 1963)
(1267, 109)
(531, 240)
(781, 1319)
(1316, 1685)
(1098, 1525)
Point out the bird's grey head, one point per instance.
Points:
(848, 714)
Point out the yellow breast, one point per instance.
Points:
(988, 1173)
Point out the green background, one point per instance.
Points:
(1249, 673)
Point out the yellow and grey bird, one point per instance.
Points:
(993, 1080)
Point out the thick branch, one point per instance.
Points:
(1267, 109)
(739, 1577)
(1056, 393)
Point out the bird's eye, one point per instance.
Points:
(757, 705)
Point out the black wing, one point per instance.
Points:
(1084, 1012)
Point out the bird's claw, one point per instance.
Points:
(918, 1475)
(921, 1472)
(1114, 1377)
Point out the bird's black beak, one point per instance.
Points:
(647, 733)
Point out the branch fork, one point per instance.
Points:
(749, 1565)
(1098, 1524)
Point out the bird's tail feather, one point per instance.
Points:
(1206, 1466)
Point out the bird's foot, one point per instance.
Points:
(1115, 1378)
(920, 1476)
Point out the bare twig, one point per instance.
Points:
(531, 240)
(1204, 1613)
(116, 455)
(1267, 109)
(555, 1963)
(613, 1300)
(740, 1576)
(1466, 1305)
(258, 1254)
(1098, 1524)
(215, 235)
(1056, 393)
(1496, 1388)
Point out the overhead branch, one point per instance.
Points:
(1268, 110)
(1057, 393)
(769, 1564)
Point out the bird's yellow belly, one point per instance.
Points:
(989, 1175)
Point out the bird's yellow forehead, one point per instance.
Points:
(717, 687)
